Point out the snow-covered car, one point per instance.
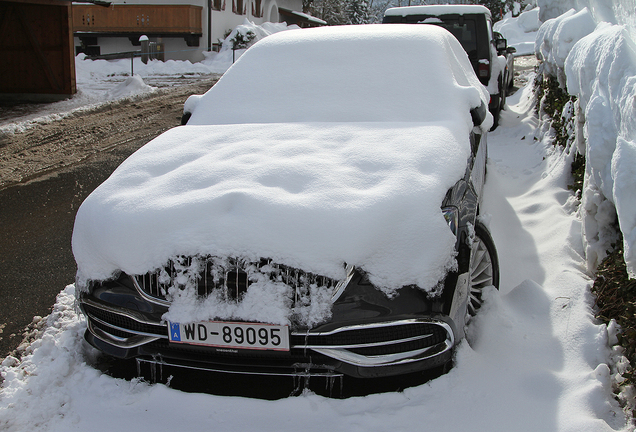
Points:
(488, 51)
(317, 215)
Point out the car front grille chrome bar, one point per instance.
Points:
(231, 277)
(343, 352)
(365, 345)
(130, 342)
(368, 345)
(385, 360)
(154, 336)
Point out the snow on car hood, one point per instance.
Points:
(309, 195)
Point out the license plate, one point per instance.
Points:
(240, 335)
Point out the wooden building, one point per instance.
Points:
(132, 21)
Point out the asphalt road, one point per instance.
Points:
(45, 174)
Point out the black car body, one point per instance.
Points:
(367, 333)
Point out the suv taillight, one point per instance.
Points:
(484, 69)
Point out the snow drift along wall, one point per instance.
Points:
(592, 53)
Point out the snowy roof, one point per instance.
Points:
(354, 177)
(438, 10)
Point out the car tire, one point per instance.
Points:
(484, 268)
(185, 117)
(511, 77)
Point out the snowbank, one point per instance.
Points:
(597, 62)
(556, 37)
(621, 12)
(520, 31)
(601, 71)
(131, 86)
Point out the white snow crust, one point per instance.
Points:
(438, 10)
(334, 74)
(356, 176)
(597, 62)
(312, 196)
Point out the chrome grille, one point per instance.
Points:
(229, 276)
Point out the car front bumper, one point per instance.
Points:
(358, 341)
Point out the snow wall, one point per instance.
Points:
(590, 49)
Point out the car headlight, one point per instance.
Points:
(452, 218)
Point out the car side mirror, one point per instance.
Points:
(512, 50)
(478, 114)
(501, 44)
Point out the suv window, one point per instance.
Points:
(465, 34)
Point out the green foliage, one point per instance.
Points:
(578, 173)
(242, 41)
(616, 299)
(341, 12)
(558, 106)
(552, 98)
(498, 8)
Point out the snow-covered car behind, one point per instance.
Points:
(318, 214)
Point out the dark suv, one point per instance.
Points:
(488, 52)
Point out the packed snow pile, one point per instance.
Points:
(620, 12)
(131, 86)
(520, 31)
(556, 37)
(597, 62)
(267, 299)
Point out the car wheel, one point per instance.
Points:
(484, 268)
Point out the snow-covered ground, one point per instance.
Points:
(539, 361)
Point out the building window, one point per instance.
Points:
(257, 9)
(217, 5)
(237, 7)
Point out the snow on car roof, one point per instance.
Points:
(346, 73)
(437, 10)
(363, 187)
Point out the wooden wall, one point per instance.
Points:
(36, 50)
(141, 19)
